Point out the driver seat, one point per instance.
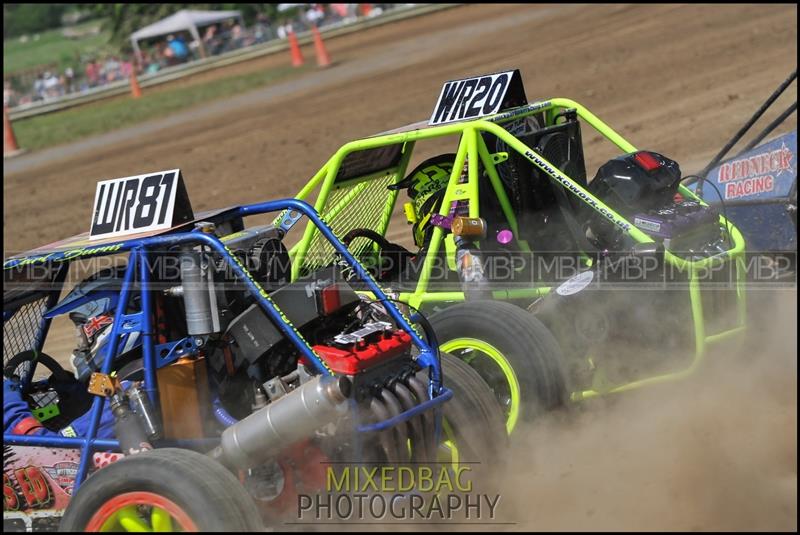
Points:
(548, 215)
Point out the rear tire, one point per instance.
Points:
(473, 415)
(196, 490)
(514, 353)
(473, 436)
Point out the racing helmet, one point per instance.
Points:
(91, 306)
(426, 186)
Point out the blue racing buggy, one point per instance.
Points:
(206, 391)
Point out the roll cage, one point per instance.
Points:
(351, 191)
(25, 325)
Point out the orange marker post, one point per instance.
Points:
(136, 91)
(294, 48)
(323, 60)
(10, 147)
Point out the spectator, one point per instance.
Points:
(237, 37)
(194, 49)
(69, 75)
(92, 71)
(9, 95)
(179, 49)
(125, 69)
(38, 87)
(284, 29)
(262, 31)
(151, 63)
(208, 35)
(169, 56)
(341, 10)
(112, 69)
(315, 14)
(50, 85)
(62, 85)
(211, 41)
(85, 73)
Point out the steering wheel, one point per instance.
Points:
(15, 369)
(397, 254)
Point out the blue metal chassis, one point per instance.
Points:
(142, 322)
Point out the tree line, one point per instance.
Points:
(120, 19)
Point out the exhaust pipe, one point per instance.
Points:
(420, 452)
(428, 424)
(268, 431)
(385, 437)
(401, 429)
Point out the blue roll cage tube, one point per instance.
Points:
(142, 322)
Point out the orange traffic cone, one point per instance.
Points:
(10, 147)
(294, 47)
(136, 91)
(323, 60)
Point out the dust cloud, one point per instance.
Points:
(717, 451)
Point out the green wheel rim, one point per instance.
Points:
(458, 347)
(130, 520)
(140, 512)
(448, 450)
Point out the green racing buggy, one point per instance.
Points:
(555, 288)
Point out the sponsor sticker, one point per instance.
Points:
(97, 323)
(646, 224)
(765, 172)
(576, 283)
(576, 190)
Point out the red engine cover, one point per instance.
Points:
(360, 357)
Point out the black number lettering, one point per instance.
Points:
(469, 87)
(496, 94)
(449, 95)
(483, 87)
(127, 200)
(148, 201)
(167, 181)
(101, 223)
(118, 202)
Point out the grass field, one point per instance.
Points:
(53, 48)
(61, 127)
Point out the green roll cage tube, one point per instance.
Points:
(473, 148)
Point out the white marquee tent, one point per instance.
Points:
(184, 20)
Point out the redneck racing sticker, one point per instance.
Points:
(140, 203)
(766, 172)
(471, 98)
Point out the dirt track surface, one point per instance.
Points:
(677, 79)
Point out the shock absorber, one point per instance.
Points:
(144, 410)
(198, 293)
(467, 231)
(127, 427)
